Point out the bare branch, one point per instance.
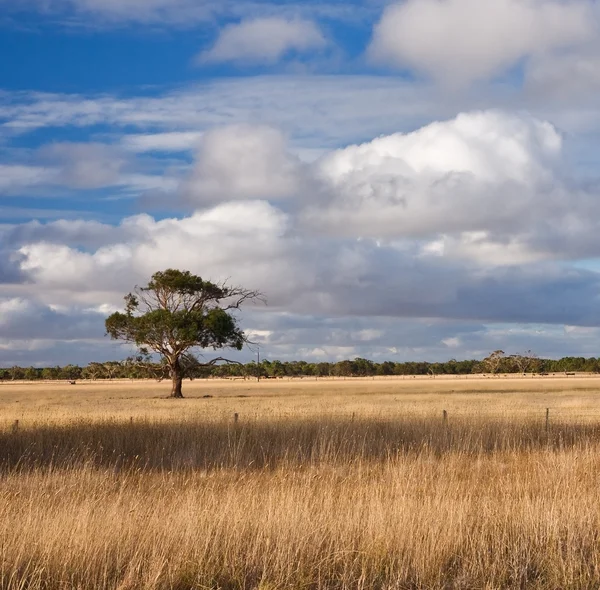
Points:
(242, 296)
(220, 359)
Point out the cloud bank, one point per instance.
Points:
(470, 222)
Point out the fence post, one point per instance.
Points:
(547, 419)
(445, 417)
(15, 427)
(236, 417)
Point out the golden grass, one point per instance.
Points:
(300, 493)
(572, 398)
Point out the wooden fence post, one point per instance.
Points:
(15, 427)
(547, 419)
(236, 417)
(445, 417)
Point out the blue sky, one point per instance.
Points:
(404, 180)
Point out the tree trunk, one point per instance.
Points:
(177, 378)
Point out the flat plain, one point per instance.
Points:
(316, 484)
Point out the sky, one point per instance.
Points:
(413, 180)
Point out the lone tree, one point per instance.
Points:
(177, 312)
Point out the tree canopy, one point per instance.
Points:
(177, 312)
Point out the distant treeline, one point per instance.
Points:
(497, 362)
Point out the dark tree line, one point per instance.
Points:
(144, 368)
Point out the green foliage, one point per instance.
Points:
(178, 311)
(143, 367)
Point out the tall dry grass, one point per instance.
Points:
(311, 502)
(271, 443)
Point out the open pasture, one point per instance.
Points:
(573, 398)
(318, 485)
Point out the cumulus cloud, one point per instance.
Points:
(483, 189)
(485, 172)
(469, 220)
(244, 240)
(242, 162)
(459, 41)
(490, 145)
(479, 172)
(255, 244)
(489, 187)
(264, 41)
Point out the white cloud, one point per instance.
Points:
(479, 216)
(79, 167)
(257, 245)
(459, 41)
(242, 162)
(485, 248)
(264, 41)
(489, 145)
(367, 335)
(184, 13)
(452, 342)
(485, 186)
(15, 177)
(244, 240)
(337, 287)
(329, 111)
(142, 183)
(84, 165)
(174, 141)
(172, 12)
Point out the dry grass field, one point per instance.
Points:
(318, 485)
